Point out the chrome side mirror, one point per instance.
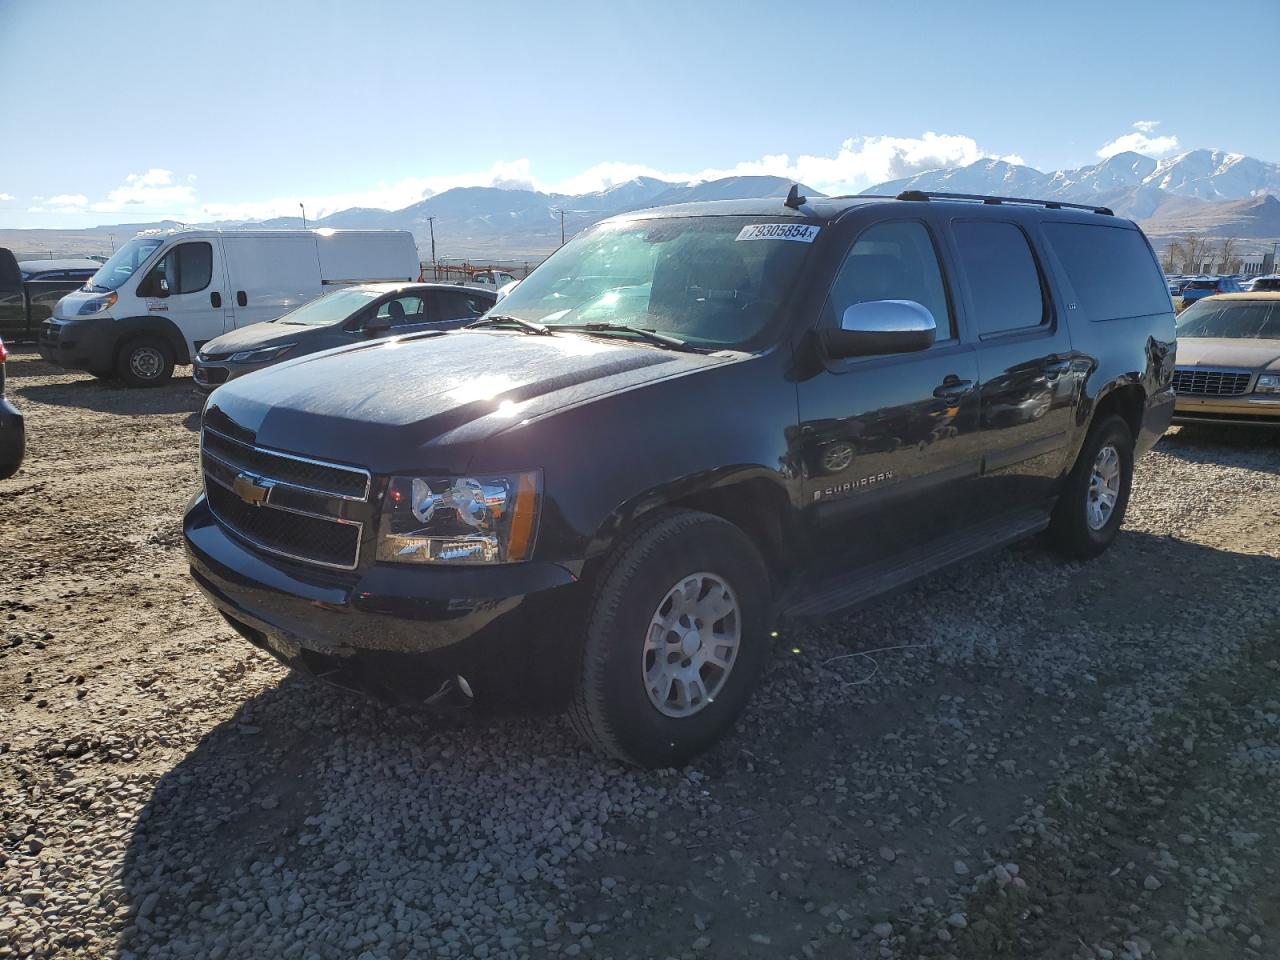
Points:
(876, 327)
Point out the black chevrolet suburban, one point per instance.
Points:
(688, 423)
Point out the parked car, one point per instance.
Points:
(162, 296)
(1267, 284)
(1177, 285)
(339, 318)
(1199, 287)
(491, 278)
(42, 283)
(1228, 368)
(611, 514)
(13, 436)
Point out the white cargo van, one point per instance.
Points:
(163, 294)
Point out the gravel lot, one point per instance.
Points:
(1058, 760)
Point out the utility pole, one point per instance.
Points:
(431, 225)
(112, 238)
(560, 210)
(304, 216)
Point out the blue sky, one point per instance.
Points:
(129, 111)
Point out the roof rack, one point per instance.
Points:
(982, 198)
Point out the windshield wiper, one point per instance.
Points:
(652, 336)
(499, 318)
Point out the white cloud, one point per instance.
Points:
(1140, 142)
(863, 161)
(6, 197)
(153, 190)
(858, 163)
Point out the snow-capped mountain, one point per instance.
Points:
(1203, 174)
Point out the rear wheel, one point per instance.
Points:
(145, 362)
(1092, 505)
(677, 638)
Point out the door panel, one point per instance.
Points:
(192, 271)
(888, 444)
(887, 450)
(269, 276)
(1030, 377)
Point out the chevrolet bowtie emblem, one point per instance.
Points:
(252, 488)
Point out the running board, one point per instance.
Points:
(870, 581)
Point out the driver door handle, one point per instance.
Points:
(952, 388)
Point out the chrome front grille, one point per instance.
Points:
(292, 506)
(1207, 382)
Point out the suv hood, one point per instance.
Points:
(1228, 352)
(255, 335)
(425, 401)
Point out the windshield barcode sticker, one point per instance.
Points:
(804, 232)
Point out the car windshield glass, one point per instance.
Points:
(706, 280)
(332, 307)
(1236, 319)
(1203, 285)
(124, 263)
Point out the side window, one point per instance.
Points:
(187, 268)
(459, 305)
(894, 261)
(403, 311)
(1002, 276)
(1110, 268)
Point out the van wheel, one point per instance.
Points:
(677, 637)
(1092, 504)
(145, 362)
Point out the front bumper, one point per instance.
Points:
(78, 344)
(13, 438)
(401, 634)
(211, 374)
(1247, 410)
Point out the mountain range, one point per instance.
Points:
(1207, 191)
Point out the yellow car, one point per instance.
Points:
(1228, 368)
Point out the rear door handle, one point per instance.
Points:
(215, 299)
(952, 388)
(242, 299)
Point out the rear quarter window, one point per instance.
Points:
(1111, 270)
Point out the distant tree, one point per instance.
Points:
(1229, 257)
(1189, 251)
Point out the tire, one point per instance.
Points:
(1074, 530)
(677, 556)
(145, 362)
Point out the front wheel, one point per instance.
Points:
(677, 638)
(1091, 508)
(145, 362)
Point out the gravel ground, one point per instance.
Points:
(1052, 760)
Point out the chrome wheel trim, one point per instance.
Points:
(691, 645)
(1104, 488)
(837, 457)
(145, 363)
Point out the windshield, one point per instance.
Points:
(332, 307)
(706, 280)
(1202, 285)
(123, 263)
(1235, 319)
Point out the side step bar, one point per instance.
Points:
(872, 580)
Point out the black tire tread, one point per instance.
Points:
(586, 711)
(1066, 534)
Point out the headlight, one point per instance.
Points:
(460, 519)
(262, 354)
(1268, 383)
(97, 305)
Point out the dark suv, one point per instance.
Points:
(688, 423)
